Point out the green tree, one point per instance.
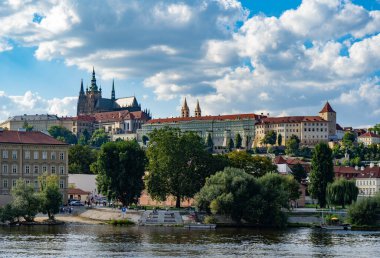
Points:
(342, 192)
(230, 144)
(321, 173)
(84, 138)
(231, 192)
(80, 159)
(276, 192)
(120, 169)
(27, 127)
(238, 141)
(270, 138)
(178, 164)
(62, 134)
(209, 143)
(299, 172)
(279, 139)
(25, 200)
(9, 214)
(98, 138)
(50, 195)
(293, 145)
(375, 128)
(254, 165)
(238, 195)
(145, 139)
(348, 139)
(364, 212)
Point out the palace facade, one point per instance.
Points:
(221, 128)
(28, 155)
(309, 129)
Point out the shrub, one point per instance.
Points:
(210, 220)
(363, 212)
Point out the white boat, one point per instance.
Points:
(336, 227)
(200, 226)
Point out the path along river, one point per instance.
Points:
(108, 241)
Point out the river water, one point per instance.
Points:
(109, 241)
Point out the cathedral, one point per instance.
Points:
(91, 100)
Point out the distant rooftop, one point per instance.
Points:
(20, 137)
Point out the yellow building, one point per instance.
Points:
(309, 129)
(369, 138)
(28, 155)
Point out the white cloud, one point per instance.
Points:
(323, 49)
(32, 103)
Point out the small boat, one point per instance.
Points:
(200, 226)
(336, 227)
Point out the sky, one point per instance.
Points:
(283, 57)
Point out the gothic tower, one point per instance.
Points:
(113, 91)
(81, 99)
(198, 112)
(185, 110)
(328, 114)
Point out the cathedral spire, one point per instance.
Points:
(198, 112)
(113, 90)
(81, 92)
(185, 110)
(93, 86)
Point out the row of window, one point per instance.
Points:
(36, 155)
(35, 169)
(27, 181)
(365, 182)
(292, 125)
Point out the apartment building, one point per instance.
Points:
(28, 155)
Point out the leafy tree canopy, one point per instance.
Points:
(62, 134)
(80, 159)
(321, 173)
(270, 138)
(98, 138)
(254, 165)
(50, 195)
(178, 164)
(342, 192)
(120, 169)
(293, 145)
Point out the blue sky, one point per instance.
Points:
(280, 57)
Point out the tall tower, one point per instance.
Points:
(81, 99)
(185, 112)
(94, 86)
(328, 114)
(113, 91)
(198, 112)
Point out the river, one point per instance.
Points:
(109, 241)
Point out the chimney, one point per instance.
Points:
(356, 168)
(371, 165)
(362, 168)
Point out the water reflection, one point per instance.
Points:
(106, 241)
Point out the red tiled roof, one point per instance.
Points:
(369, 134)
(368, 172)
(279, 160)
(205, 118)
(77, 191)
(291, 119)
(28, 138)
(345, 170)
(79, 118)
(327, 108)
(119, 116)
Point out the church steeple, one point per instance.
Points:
(198, 112)
(185, 110)
(93, 86)
(81, 92)
(113, 90)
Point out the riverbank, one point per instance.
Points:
(93, 216)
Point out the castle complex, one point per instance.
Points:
(252, 128)
(91, 101)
